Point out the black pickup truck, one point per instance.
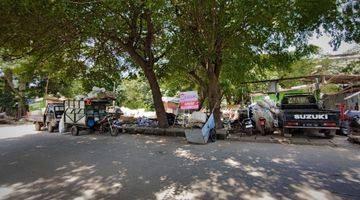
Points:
(301, 111)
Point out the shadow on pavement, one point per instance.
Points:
(53, 166)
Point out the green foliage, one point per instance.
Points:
(244, 40)
(73, 46)
(7, 99)
(352, 68)
(330, 89)
(100, 76)
(134, 93)
(37, 105)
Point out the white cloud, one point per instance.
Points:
(323, 43)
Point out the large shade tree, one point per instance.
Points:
(215, 40)
(27, 78)
(235, 39)
(87, 31)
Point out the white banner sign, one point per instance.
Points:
(189, 100)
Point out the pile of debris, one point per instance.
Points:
(138, 117)
(4, 119)
(197, 119)
(97, 93)
(354, 127)
(248, 119)
(266, 109)
(147, 122)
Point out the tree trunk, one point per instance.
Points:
(148, 68)
(18, 93)
(202, 97)
(203, 87)
(22, 109)
(156, 94)
(47, 86)
(22, 100)
(215, 99)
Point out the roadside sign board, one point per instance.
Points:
(189, 100)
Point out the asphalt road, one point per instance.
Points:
(44, 166)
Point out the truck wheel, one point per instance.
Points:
(330, 134)
(51, 128)
(286, 133)
(74, 130)
(38, 126)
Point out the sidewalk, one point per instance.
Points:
(222, 135)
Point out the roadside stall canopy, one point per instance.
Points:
(355, 95)
(337, 79)
(310, 82)
(171, 104)
(352, 101)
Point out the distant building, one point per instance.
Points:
(352, 101)
(171, 104)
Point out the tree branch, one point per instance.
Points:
(149, 36)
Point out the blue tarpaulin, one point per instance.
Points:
(210, 124)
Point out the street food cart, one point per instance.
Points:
(84, 114)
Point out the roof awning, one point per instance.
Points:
(351, 96)
(337, 79)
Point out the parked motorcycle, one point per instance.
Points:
(247, 126)
(110, 124)
(244, 123)
(262, 123)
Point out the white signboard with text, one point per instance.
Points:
(189, 100)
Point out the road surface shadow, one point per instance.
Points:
(53, 166)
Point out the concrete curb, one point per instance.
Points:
(169, 132)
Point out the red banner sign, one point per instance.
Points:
(189, 100)
(190, 105)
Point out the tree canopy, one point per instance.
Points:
(208, 45)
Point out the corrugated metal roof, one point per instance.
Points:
(351, 96)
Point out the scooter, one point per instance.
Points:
(262, 123)
(247, 126)
(111, 123)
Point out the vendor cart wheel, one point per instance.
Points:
(38, 126)
(51, 128)
(91, 130)
(114, 132)
(212, 135)
(74, 130)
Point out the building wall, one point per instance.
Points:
(350, 103)
(333, 101)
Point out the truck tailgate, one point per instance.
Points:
(324, 119)
(35, 118)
